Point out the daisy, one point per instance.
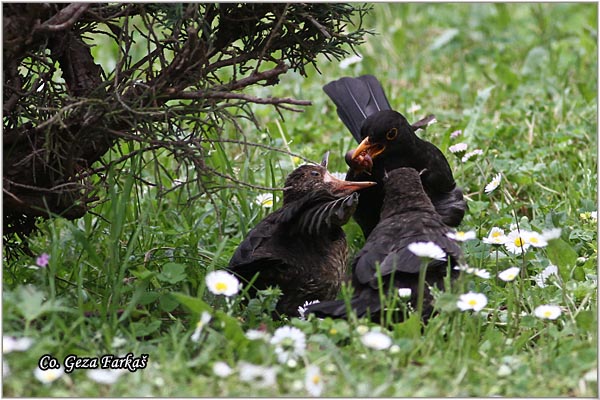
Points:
(105, 376)
(204, 319)
(547, 272)
(256, 334)
(42, 260)
(10, 344)
(509, 274)
(404, 293)
(547, 311)
(594, 215)
(264, 200)
(494, 183)
(49, 375)
(482, 273)
(221, 369)
(346, 62)
(222, 282)
(472, 301)
(456, 134)
(376, 340)
(303, 307)
(551, 234)
(516, 242)
(427, 250)
(257, 374)
(471, 154)
(458, 149)
(535, 239)
(461, 236)
(313, 382)
(496, 236)
(414, 108)
(289, 342)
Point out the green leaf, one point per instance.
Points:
(586, 320)
(231, 329)
(410, 328)
(194, 304)
(562, 255)
(141, 329)
(167, 302)
(172, 273)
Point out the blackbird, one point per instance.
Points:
(388, 141)
(407, 216)
(301, 247)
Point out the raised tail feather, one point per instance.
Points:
(356, 99)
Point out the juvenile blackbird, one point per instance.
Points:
(388, 141)
(301, 247)
(407, 216)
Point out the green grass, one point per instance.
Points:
(519, 80)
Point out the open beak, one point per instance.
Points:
(373, 150)
(345, 187)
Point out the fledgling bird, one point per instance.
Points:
(407, 216)
(301, 247)
(388, 141)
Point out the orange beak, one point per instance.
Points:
(345, 187)
(373, 150)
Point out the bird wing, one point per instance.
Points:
(388, 247)
(356, 99)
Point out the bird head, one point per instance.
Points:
(308, 179)
(384, 132)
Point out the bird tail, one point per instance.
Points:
(362, 304)
(356, 99)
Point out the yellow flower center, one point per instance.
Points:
(518, 242)
(472, 302)
(460, 235)
(534, 240)
(316, 379)
(547, 313)
(495, 234)
(221, 286)
(333, 331)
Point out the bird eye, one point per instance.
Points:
(391, 134)
(314, 173)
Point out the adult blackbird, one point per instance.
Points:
(407, 216)
(388, 141)
(301, 247)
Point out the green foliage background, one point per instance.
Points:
(519, 80)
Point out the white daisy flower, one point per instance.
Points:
(49, 375)
(547, 311)
(346, 62)
(516, 242)
(458, 149)
(461, 236)
(594, 215)
(105, 376)
(204, 319)
(471, 154)
(456, 134)
(313, 382)
(221, 369)
(547, 272)
(376, 340)
(509, 274)
(551, 234)
(10, 344)
(414, 108)
(494, 183)
(472, 301)
(289, 342)
(264, 200)
(496, 236)
(535, 239)
(404, 293)
(255, 334)
(222, 282)
(482, 273)
(257, 374)
(303, 307)
(427, 250)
